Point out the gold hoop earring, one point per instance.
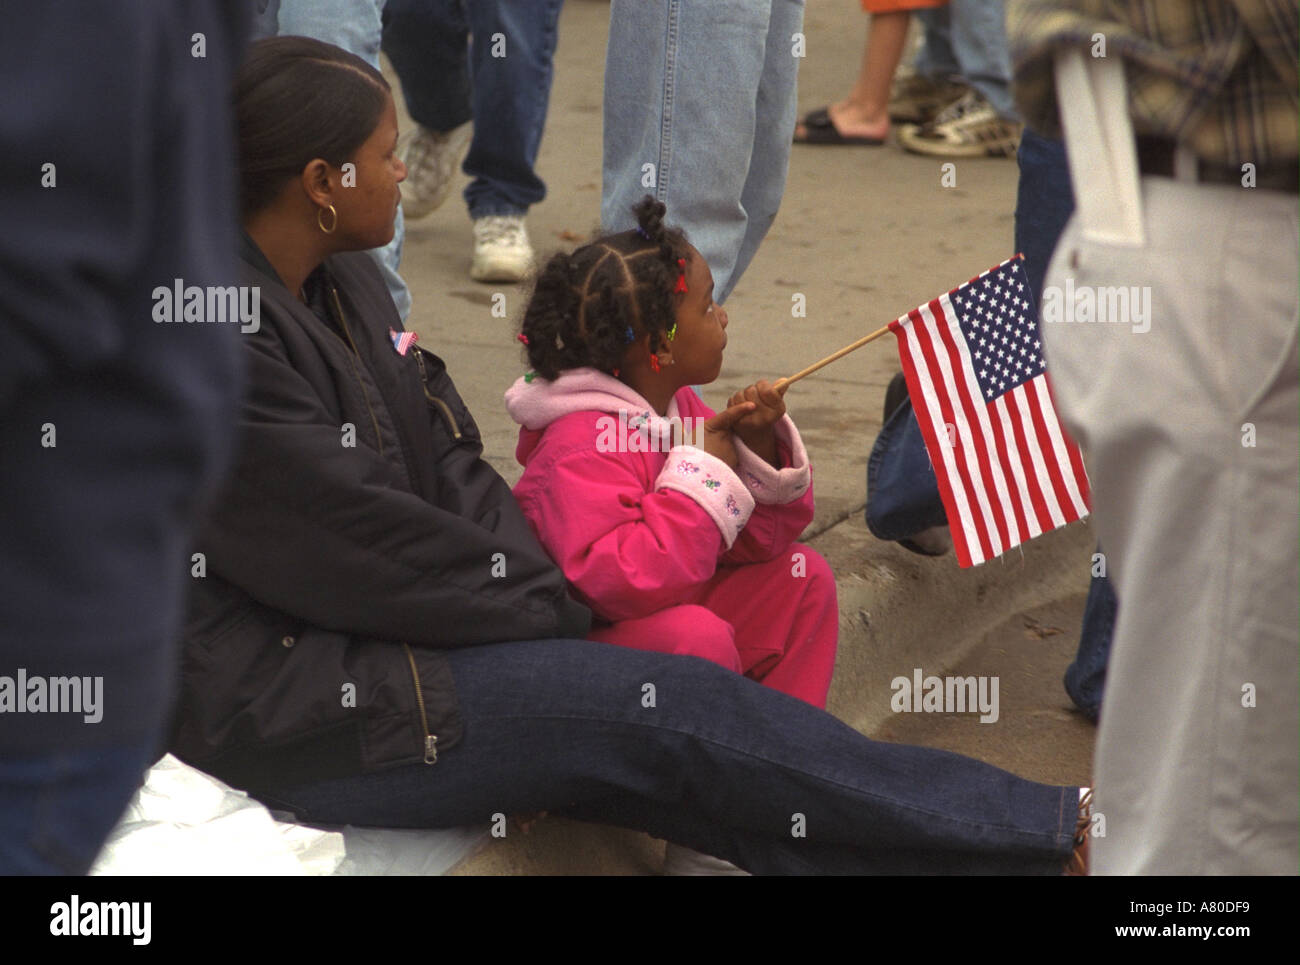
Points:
(320, 222)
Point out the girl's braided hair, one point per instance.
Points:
(585, 304)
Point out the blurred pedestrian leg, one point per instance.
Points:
(116, 416)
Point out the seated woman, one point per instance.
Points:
(379, 640)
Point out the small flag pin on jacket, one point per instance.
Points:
(402, 340)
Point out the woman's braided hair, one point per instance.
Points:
(584, 304)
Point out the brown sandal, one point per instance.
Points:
(1079, 858)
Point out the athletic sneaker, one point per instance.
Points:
(501, 249)
(431, 159)
(916, 98)
(970, 127)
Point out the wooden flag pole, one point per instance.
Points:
(783, 383)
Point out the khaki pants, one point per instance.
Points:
(1190, 438)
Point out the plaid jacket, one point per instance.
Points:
(1218, 74)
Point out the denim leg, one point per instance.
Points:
(427, 42)
(356, 26)
(935, 57)
(266, 15)
(57, 809)
(681, 114)
(775, 115)
(979, 42)
(1085, 678)
(511, 66)
(353, 25)
(691, 752)
(1044, 202)
(902, 491)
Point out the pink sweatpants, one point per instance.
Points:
(775, 622)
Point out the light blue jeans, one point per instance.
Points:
(699, 112)
(355, 26)
(968, 38)
(447, 81)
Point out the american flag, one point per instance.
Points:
(974, 364)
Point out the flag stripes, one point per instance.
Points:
(1006, 470)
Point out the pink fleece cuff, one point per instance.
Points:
(768, 484)
(711, 483)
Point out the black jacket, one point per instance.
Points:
(337, 573)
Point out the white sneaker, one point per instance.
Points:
(681, 861)
(501, 249)
(431, 160)
(969, 127)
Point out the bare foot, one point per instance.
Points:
(851, 121)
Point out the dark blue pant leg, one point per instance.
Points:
(1044, 203)
(510, 69)
(114, 426)
(427, 42)
(688, 751)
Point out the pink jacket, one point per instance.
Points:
(637, 530)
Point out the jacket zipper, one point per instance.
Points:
(430, 740)
(338, 309)
(442, 406)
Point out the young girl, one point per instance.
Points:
(680, 541)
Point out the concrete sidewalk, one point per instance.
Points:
(865, 234)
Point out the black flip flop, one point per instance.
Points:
(821, 130)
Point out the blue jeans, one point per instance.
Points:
(1044, 203)
(57, 809)
(717, 762)
(699, 111)
(501, 81)
(355, 26)
(97, 529)
(1085, 678)
(968, 38)
(902, 494)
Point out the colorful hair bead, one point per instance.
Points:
(681, 278)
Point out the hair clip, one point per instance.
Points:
(654, 361)
(529, 376)
(681, 279)
(672, 332)
(629, 335)
(522, 337)
(616, 373)
(643, 233)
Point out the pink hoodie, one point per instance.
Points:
(637, 530)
